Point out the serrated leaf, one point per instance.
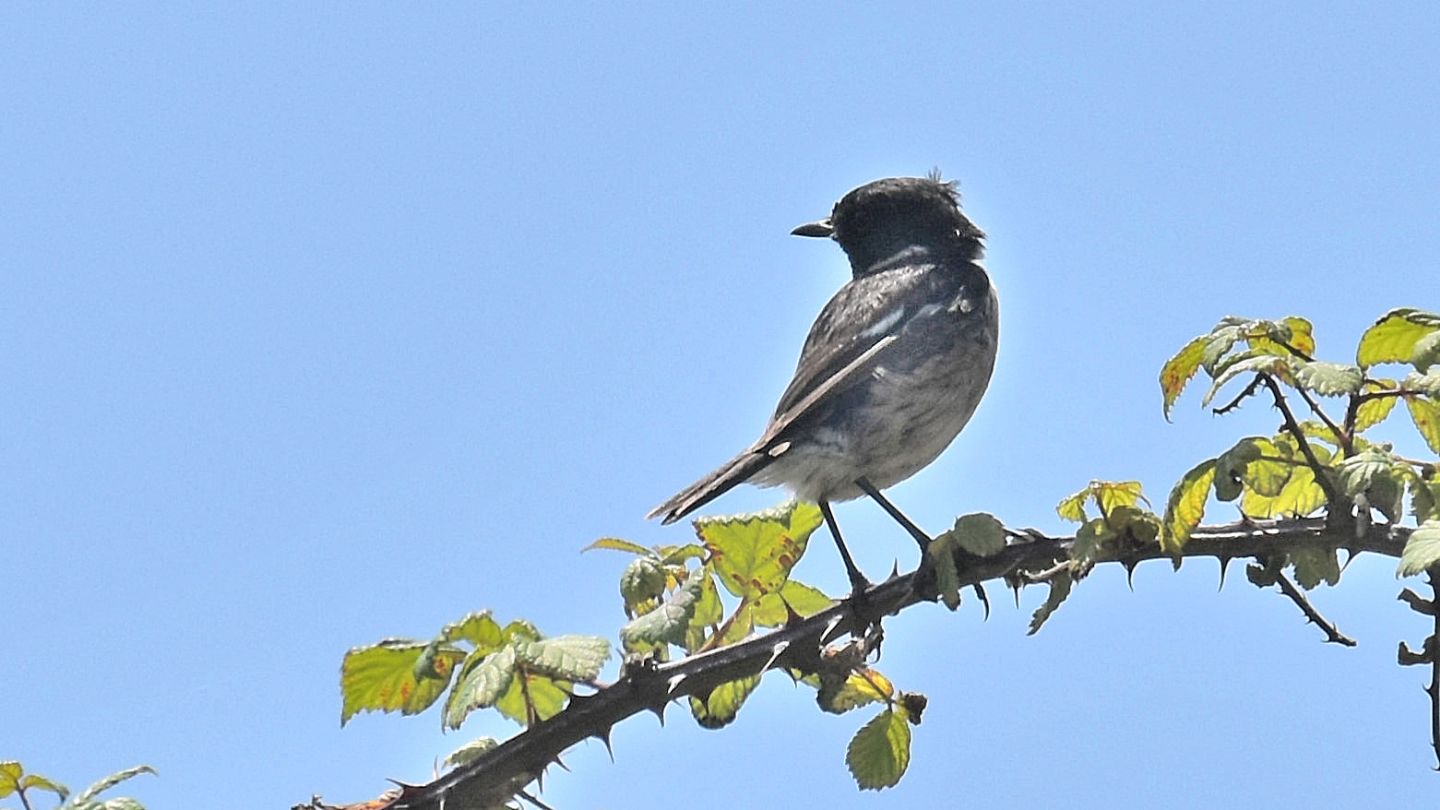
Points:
(1302, 333)
(1275, 365)
(479, 628)
(1392, 339)
(879, 752)
(941, 553)
(38, 782)
(1424, 499)
(771, 610)
(437, 660)
(718, 709)
(1387, 492)
(1357, 472)
(1089, 541)
(1186, 506)
(1374, 411)
(382, 678)
(1272, 337)
(1329, 379)
(118, 803)
(1426, 416)
(1073, 507)
(666, 623)
(617, 544)
(1175, 374)
(1060, 586)
(1111, 495)
(1220, 341)
(643, 579)
(1300, 496)
(863, 686)
(10, 773)
(1231, 466)
(753, 554)
(88, 795)
(532, 698)
(980, 534)
(1426, 352)
(1314, 566)
(709, 610)
(483, 679)
(1422, 550)
(566, 658)
(675, 555)
(519, 629)
(469, 752)
(1428, 384)
(1265, 475)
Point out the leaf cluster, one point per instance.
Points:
(14, 780)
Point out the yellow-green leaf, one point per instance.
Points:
(532, 698)
(470, 751)
(1393, 338)
(1176, 372)
(85, 797)
(483, 679)
(863, 686)
(38, 782)
(1424, 499)
(617, 544)
(1186, 506)
(10, 773)
(1276, 366)
(1357, 472)
(1426, 352)
(1073, 507)
(980, 534)
(718, 709)
(480, 629)
(1373, 411)
(1426, 416)
(567, 658)
(382, 678)
(1300, 496)
(1422, 550)
(753, 554)
(668, 622)
(1314, 566)
(772, 611)
(879, 753)
(1265, 475)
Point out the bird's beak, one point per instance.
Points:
(820, 228)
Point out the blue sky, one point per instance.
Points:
(325, 323)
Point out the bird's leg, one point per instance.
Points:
(858, 583)
(925, 571)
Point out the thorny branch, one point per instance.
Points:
(1332, 633)
(495, 777)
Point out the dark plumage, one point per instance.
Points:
(894, 365)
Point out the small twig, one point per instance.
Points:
(1341, 437)
(529, 798)
(1332, 633)
(1244, 394)
(1331, 495)
(1045, 576)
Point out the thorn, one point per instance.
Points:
(828, 636)
(984, 600)
(894, 569)
(605, 738)
(561, 763)
(659, 712)
(791, 617)
(673, 684)
(1130, 566)
(775, 652)
(1016, 589)
(1224, 563)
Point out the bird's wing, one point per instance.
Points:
(866, 320)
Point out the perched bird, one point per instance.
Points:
(893, 367)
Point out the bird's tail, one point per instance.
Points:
(735, 471)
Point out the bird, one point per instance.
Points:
(893, 368)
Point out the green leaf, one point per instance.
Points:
(1264, 475)
(1393, 338)
(1060, 587)
(38, 782)
(753, 554)
(675, 555)
(1428, 384)
(668, 622)
(1266, 573)
(519, 629)
(118, 803)
(469, 752)
(771, 610)
(532, 698)
(1230, 468)
(1422, 550)
(941, 552)
(479, 628)
(1220, 341)
(483, 680)
(567, 658)
(865, 685)
(1175, 374)
(1359, 471)
(1300, 496)
(1374, 411)
(980, 534)
(1387, 492)
(643, 579)
(382, 677)
(1329, 379)
(1314, 566)
(616, 544)
(1089, 541)
(1424, 498)
(1272, 337)
(879, 752)
(718, 709)
(10, 772)
(1275, 365)
(1426, 352)
(1426, 416)
(88, 795)
(1186, 506)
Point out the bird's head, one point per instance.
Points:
(880, 219)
